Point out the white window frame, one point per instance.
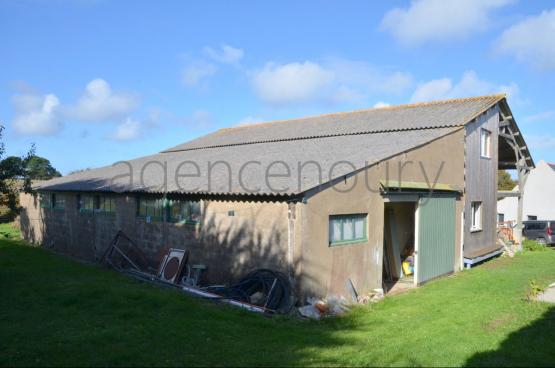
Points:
(485, 147)
(475, 216)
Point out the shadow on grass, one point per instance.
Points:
(59, 312)
(533, 345)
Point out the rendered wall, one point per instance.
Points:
(326, 269)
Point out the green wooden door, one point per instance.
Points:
(436, 237)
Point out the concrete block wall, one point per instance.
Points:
(232, 239)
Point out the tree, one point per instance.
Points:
(12, 167)
(40, 168)
(504, 180)
(13, 176)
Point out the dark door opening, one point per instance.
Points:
(399, 245)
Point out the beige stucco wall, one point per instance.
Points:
(325, 270)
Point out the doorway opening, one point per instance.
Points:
(399, 261)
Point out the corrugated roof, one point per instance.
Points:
(435, 114)
(357, 151)
(357, 139)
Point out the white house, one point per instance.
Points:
(538, 198)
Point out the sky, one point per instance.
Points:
(94, 82)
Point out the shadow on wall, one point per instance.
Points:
(229, 246)
(533, 345)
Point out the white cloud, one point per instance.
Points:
(36, 114)
(531, 41)
(128, 130)
(225, 54)
(195, 72)
(294, 82)
(439, 20)
(333, 81)
(249, 120)
(381, 104)
(469, 85)
(357, 80)
(99, 103)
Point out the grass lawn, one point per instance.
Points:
(55, 311)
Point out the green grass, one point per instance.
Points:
(9, 232)
(55, 311)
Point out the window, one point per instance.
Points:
(184, 211)
(45, 200)
(476, 216)
(485, 143)
(106, 204)
(151, 209)
(345, 229)
(58, 201)
(85, 203)
(532, 217)
(500, 217)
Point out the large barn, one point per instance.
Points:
(334, 201)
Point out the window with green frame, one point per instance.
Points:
(347, 229)
(58, 201)
(151, 208)
(45, 200)
(106, 204)
(184, 211)
(85, 203)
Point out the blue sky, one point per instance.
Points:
(94, 82)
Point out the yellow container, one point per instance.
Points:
(406, 268)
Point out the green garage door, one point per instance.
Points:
(436, 237)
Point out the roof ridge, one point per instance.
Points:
(310, 137)
(499, 96)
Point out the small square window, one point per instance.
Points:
(58, 201)
(476, 216)
(106, 204)
(151, 209)
(45, 200)
(485, 143)
(346, 229)
(86, 203)
(185, 211)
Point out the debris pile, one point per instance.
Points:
(318, 308)
(335, 306)
(372, 297)
(267, 288)
(263, 290)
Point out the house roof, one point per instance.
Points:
(436, 114)
(338, 143)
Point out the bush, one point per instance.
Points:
(534, 289)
